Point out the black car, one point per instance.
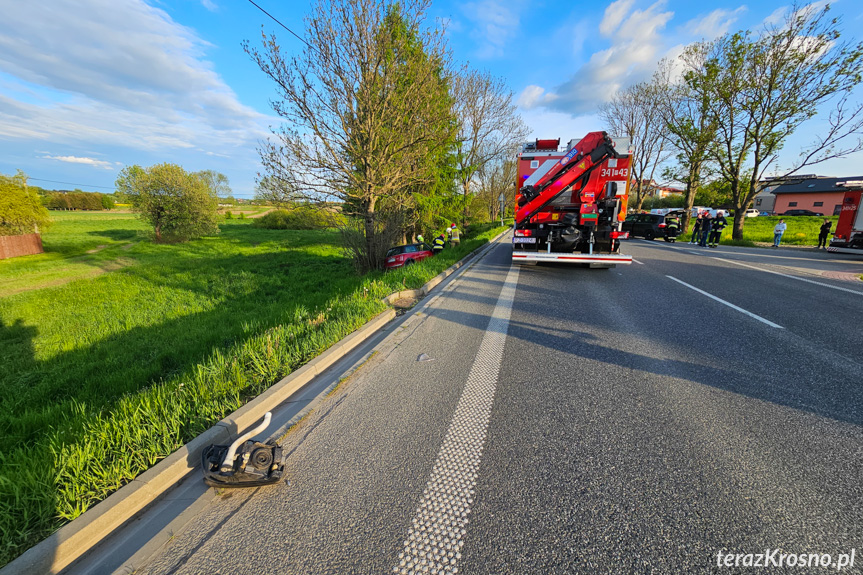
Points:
(648, 226)
(801, 213)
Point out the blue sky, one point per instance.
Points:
(89, 86)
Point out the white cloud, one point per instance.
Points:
(614, 16)
(87, 161)
(776, 16)
(115, 71)
(210, 5)
(637, 42)
(550, 124)
(534, 96)
(495, 24)
(714, 24)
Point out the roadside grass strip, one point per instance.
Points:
(729, 304)
(104, 377)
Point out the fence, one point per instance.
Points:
(23, 245)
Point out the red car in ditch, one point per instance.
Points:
(407, 255)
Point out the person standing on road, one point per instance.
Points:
(777, 233)
(716, 233)
(696, 230)
(823, 233)
(706, 222)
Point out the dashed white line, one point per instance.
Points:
(790, 276)
(435, 539)
(729, 304)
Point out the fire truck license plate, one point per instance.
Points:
(524, 240)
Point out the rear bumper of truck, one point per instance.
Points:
(597, 260)
(844, 250)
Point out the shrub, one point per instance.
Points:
(179, 205)
(21, 210)
(302, 218)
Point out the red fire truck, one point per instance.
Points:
(848, 237)
(570, 204)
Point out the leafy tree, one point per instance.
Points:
(179, 205)
(21, 210)
(691, 130)
(490, 128)
(364, 115)
(216, 182)
(637, 113)
(761, 89)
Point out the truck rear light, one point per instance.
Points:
(619, 235)
(524, 233)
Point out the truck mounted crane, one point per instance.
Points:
(570, 204)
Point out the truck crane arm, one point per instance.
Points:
(584, 157)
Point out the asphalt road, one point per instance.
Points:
(570, 420)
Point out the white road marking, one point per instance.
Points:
(638, 262)
(435, 540)
(692, 252)
(790, 276)
(729, 304)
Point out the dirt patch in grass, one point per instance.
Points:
(73, 275)
(404, 303)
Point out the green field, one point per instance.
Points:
(115, 358)
(802, 230)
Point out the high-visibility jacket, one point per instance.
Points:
(719, 224)
(438, 243)
(453, 234)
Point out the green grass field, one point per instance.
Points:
(116, 351)
(802, 230)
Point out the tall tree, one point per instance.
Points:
(218, 183)
(489, 125)
(761, 89)
(691, 130)
(362, 111)
(636, 113)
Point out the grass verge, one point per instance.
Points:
(104, 377)
(802, 231)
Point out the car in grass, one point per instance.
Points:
(751, 213)
(406, 255)
(800, 213)
(648, 226)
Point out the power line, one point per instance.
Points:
(282, 25)
(70, 183)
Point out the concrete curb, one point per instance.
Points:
(77, 537)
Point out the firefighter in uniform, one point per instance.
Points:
(716, 230)
(438, 245)
(420, 238)
(453, 235)
(672, 227)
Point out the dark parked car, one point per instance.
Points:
(801, 213)
(406, 255)
(648, 226)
